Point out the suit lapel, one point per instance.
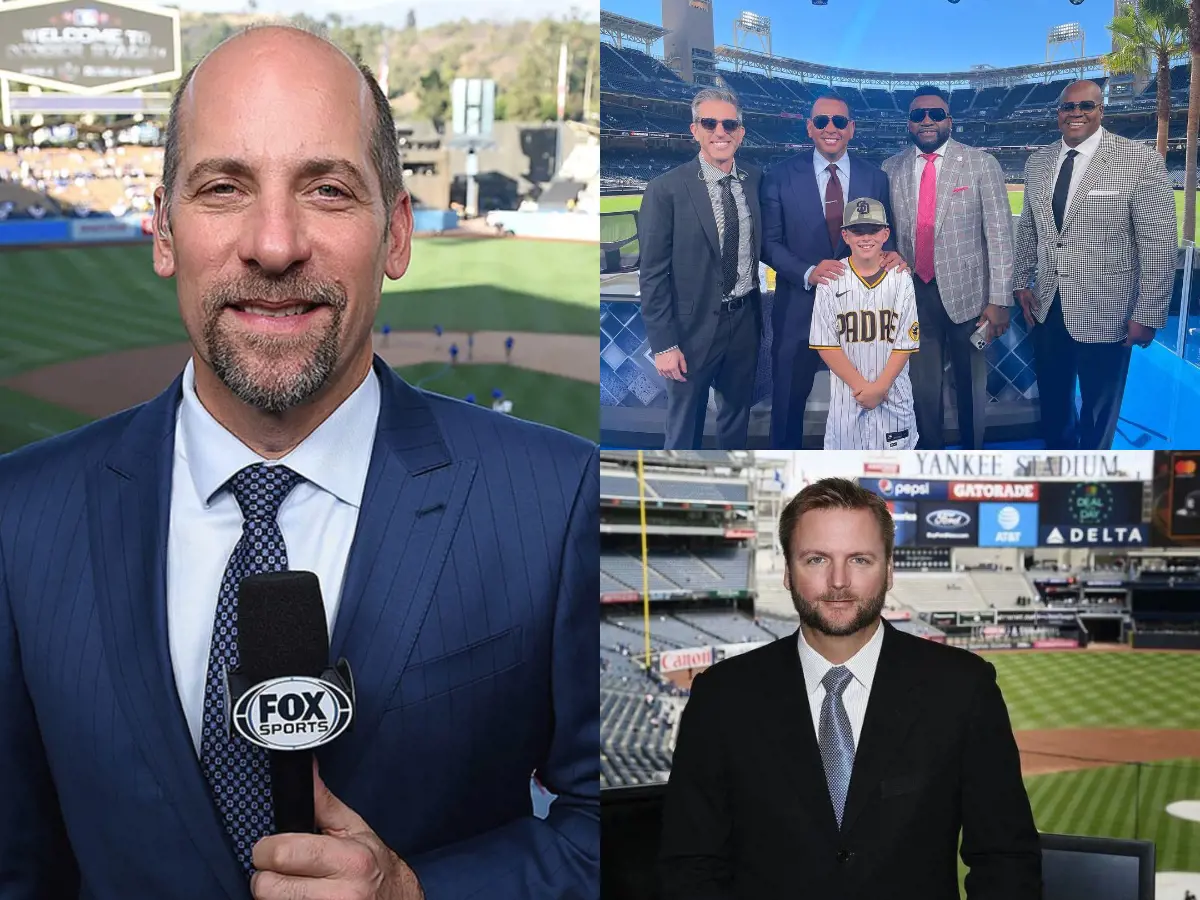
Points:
(1101, 163)
(1045, 191)
(804, 769)
(128, 503)
(413, 501)
(889, 715)
(809, 196)
(750, 190)
(906, 189)
(698, 191)
(947, 177)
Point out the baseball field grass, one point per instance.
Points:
(1016, 199)
(1110, 690)
(59, 305)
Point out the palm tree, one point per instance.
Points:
(1155, 29)
(1193, 124)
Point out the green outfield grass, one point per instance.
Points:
(59, 305)
(1016, 200)
(1110, 690)
(620, 202)
(562, 402)
(1099, 690)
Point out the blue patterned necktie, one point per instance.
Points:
(836, 739)
(238, 772)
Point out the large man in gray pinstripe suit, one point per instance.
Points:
(1095, 260)
(952, 224)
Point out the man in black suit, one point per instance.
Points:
(699, 230)
(843, 761)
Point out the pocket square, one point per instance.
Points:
(1104, 193)
(957, 189)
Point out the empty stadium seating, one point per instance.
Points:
(719, 569)
(1000, 589)
(928, 592)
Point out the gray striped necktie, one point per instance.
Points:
(836, 739)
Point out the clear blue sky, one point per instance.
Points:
(905, 35)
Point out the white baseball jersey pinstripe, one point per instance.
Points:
(868, 323)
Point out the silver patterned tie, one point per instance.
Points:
(835, 739)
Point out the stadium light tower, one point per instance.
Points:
(750, 26)
(1069, 34)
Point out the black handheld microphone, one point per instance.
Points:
(285, 696)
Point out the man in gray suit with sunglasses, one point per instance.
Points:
(953, 226)
(699, 229)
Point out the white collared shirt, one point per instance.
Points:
(318, 519)
(1087, 149)
(919, 164)
(821, 168)
(862, 666)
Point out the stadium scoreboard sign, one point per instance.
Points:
(88, 47)
(1092, 514)
(1015, 513)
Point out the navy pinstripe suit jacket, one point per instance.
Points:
(468, 615)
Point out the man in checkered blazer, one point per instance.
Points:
(954, 227)
(1095, 261)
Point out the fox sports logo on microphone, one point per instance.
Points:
(292, 713)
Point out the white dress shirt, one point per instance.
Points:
(821, 166)
(318, 519)
(919, 166)
(1086, 150)
(862, 666)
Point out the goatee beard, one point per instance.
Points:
(866, 612)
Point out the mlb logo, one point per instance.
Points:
(85, 18)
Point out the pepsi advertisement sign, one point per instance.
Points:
(904, 489)
(946, 522)
(1008, 524)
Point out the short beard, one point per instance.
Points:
(941, 140)
(867, 613)
(232, 363)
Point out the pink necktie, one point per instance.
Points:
(926, 218)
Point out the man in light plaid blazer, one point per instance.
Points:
(1096, 242)
(953, 225)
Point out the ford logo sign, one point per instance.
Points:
(948, 518)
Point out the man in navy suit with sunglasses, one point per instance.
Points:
(802, 205)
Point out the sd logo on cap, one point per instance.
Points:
(865, 211)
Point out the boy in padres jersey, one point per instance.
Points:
(864, 325)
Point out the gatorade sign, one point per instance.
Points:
(292, 713)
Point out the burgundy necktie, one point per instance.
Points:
(926, 218)
(835, 206)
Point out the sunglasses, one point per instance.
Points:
(839, 122)
(1083, 106)
(935, 113)
(730, 125)
(864, 229)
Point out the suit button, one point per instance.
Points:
(843, 856)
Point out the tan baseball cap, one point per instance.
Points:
(866, 211)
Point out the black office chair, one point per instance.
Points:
(1075, 867)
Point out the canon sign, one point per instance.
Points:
(985, 490)
(691, 658)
